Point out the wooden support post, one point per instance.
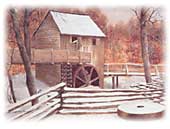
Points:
(33, 56)
(107, 67)
(80, 58)
(117, 81)
(61, 91)
(156, 70)
(52, 56)
(113, 82)
(67, 56)
(126, 69)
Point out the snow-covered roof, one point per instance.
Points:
(74, 24)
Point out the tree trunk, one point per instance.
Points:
(26, 32)
(144, 45)
(27, 65)
(11, 88)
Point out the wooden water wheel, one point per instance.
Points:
(85, 75)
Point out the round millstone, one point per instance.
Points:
(141, 110)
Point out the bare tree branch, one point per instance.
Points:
(10, 86)
(26, 31)
(27, 64)
(151, 15)
(136, 13)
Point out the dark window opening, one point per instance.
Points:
(75, 44)
(94, 41)
(74, 40)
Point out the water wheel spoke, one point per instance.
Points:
(91, 71)
(85, 75)
(95, 79)
(80, 79)
(83, 85)
(84, 72)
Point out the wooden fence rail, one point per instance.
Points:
(55, 93)
(64, 100)
(129, 69)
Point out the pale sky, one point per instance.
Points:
(118, 14)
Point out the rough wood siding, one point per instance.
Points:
(64, 41)
(47, 36)
(98, 59)
(86, 44)
(49, 73)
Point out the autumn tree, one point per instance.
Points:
(23, 51)
(145, 16)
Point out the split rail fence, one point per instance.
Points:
(63, 100)
(116, 70)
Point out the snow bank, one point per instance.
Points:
(20, 88)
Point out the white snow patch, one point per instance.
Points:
(20, 88)
(74, 24)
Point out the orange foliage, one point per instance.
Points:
(16, 68)
(122, 43)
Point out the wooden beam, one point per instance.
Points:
(113, 82)
(25, 101)
(117, 81)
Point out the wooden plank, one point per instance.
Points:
(31, 109)
(102, 106)
(125, 74)
(85, 112)
(60, 55)
(25, 101)
(74, 106)
(111, 100)
(113, 82)
(49, 112)
(130, 69)
(83, 90)
(89, 113)
(52, 56)
(42, 55)
(43, 110)
(94, 95)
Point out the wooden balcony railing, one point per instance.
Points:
(51, 56)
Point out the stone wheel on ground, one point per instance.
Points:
(85, 75)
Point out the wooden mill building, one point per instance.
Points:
(68, 47)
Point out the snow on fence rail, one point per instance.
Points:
(131, 69)
(115, 70)
(42, 105)
(86, 101)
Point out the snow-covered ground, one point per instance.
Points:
(124, 81)
(21, 91)
(20, 88)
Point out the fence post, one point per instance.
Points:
(113, 82)
(156, 70)
(107, 67)
(126, 69)
(117, 81)
(52, 56)
(61, 91)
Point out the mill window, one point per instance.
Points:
(75, 44)
(94, 42)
